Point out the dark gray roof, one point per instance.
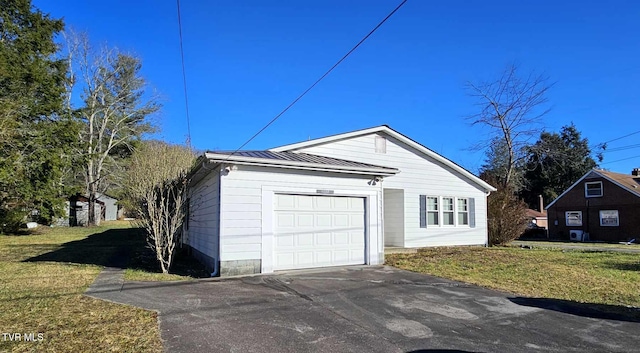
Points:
(301, 157)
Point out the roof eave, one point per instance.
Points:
(263, 162)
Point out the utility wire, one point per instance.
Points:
(619, 138)
(621, 148)
(184, 77)
(620, 160)
(318, 80)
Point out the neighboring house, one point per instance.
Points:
(110, 210)
(337, 200)
(601, 205)
(77, 212)
(538, 218)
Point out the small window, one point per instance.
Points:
(432, 211)
(609, 218)
(573, 218)
(593, 189)
(447, 211)
(463, 212)
(381, 144)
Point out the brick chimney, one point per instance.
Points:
(635, 172)
(541, 203)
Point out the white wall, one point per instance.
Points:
(204, 215)
(247, 189)
(393, 217)
(419, 175)
(111, 209)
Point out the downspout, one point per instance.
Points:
(486, 202)
(216, 262)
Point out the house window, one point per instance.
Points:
(432, 211)
(573, 218)
(463, 212)
(609, 218)
(593, 189)
(381, 144)
(447, 211)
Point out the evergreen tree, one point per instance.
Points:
(35, 131)
(554, 163)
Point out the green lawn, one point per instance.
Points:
(608, 279)
(42, 278)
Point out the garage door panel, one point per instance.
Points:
(320, 231)
(341, 220)
(305, 220)
(285, 240)
(284, 220)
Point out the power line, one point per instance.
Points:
(621, 148)
(620, 138)
(620, 160)
(318, 80)
(184, 77)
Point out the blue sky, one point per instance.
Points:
(247, 60)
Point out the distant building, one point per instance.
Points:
(601, 205)
(110, 210)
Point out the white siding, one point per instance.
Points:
(393, 217)
(111, 209)
(242, 198)
(419, 175)
(204, 216)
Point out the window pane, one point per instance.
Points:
(432, 203)
(463, 218)
(447, 204)
(594, 189)
(447, 218)
(609, 218)
(573, 218)
(462, 205)
(432, 218)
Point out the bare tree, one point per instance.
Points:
(115, 111)
(511, 107)
(156, 185)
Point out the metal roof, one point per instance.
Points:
(301, 158)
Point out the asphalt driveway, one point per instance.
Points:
(362, 309)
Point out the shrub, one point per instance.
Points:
(507, 217)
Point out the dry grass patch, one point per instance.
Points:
(587, 277)
(41, 296)
(555, 244)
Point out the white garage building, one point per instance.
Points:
(333, 201)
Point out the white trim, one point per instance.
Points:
(372, 256)
(609, 225)
(387, 130)
(566, 219)
(453, 211)
(457, 211)
(266, 162)
(437, 211)
(586, 195)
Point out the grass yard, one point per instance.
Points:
(609, 280)
(42, 278)
(556, 244)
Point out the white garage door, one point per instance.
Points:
(318, 231)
